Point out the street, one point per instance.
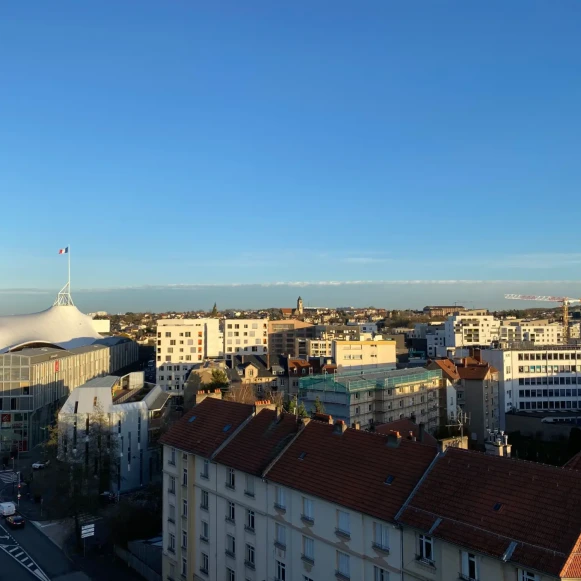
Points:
(23, 550)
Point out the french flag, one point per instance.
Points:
(64, 250)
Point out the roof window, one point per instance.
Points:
(226, 427)
(498, 506)
(192, 419)
(389, 479)
(302, 455)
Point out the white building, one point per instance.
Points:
(181, 344)
(475, 327)
(367, 327)
(536, 332)
(132, 410)
(539, 378)
(248, 497)
(245, 337)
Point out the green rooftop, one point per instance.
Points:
(367, 380)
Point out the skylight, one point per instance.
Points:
(302, 455)
(192, 419)
(497, 506)
(389, 479)
(226, 427)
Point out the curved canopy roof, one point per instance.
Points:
(62, 326)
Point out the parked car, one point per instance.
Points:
(40, 465)
(15, 521)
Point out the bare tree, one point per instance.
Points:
(242, 394)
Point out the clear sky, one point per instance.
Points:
(218, 142)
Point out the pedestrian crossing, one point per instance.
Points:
(7, 476)
(16, 552)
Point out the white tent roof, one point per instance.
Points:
(64, 326)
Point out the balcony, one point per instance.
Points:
(343, 576)
(230, 553)
(249, 565)
(308, 560)
(308, 520)
(249, 529)
(380, 547)
(425, 562)
(279, 507)
(204, 539)
(466, 577)
(343, 534)
(279, 545)
(249, 493)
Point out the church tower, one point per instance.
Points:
(300, 308)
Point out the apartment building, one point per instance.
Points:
(130, 410)
(255, 501)
(182, 344)
(476, 327)
(364, 354)
(245, 337)
(376, 396)
(539, 332)
(289, 337)
(543, 378)
(442, 311)
(482, 517)
(319, 347)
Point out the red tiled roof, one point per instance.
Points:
(475, 372)
(539, 507)
(572, 568)
(448, 368)
(207, 432)
(404, 427)
(350, 468)
(575, 462)
(258, 442)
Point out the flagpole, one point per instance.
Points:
(69, 254)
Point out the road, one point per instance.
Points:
(23, 550)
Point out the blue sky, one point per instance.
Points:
(258, 142)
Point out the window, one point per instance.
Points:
(205, 473)
(230, 575)
(205, 535)
(205, 500)
(343, 565)
(308, 549)
(204, 563)
(426, 552)
(172, 452)
(231, 482)
(308, 510)
(343, 525)
(185, 508)
(230, 545)
(280, 532)
(250, 520)
(280, 498)
(185, 477)
(468, 566)
(231, 515)
(381, 536)
(171, 543)
(380, 574)
(184, 540)
(280, 571)
(250, 555)
(249, 490)
(527, 576)
(172, 485)
(172, 513)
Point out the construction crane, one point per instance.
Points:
(565, 302)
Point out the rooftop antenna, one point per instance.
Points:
(463, 419)
(64, 298)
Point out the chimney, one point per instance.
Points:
(393, 439)
(263, 404)
(421, 431)
(356, 425)
(340, 427)
(324, 418)
(412, 437)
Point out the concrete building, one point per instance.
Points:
(539, 332)
(366, 327)
(364, 354)
(376, 396)
(319, 347)
(289, 337)
(132, 411)
(245, 337)
(442, 311)
(476, 327)
(239, 504)
(181, 344)
(542, 378)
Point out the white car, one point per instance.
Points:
(40, 465)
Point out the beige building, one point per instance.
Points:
(288, 337)
(245, 337)
(319, 348)
(539, 332)
(364, 354)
